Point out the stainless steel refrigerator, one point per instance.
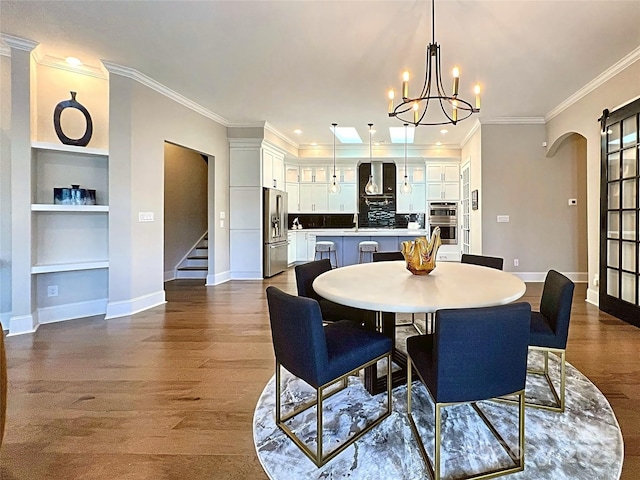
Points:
(275, 232)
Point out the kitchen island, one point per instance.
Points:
(302, 243)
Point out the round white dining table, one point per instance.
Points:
(390, 287)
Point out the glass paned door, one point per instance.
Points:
(466, 201)
(620, 215)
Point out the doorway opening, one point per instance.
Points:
(186, 190)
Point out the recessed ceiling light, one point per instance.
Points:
(314, 144)
(347, 134)
(438, 143)
(376, 143)
(397, 134)
(298, 131)
(444, 130)
(73, 61)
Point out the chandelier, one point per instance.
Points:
(453, 108)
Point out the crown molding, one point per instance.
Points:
(18, 43)
(271, 129)
(513, 121)
(473, 130)
(5, 50)
(139, 77)
(61, 64)
(604, 77)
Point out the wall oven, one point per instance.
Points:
(445, 216)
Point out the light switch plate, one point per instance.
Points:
(503, 218)
(145, 216)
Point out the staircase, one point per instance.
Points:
(195, 265)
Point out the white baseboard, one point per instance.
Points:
(170, 275)
(593, 297)
(22, 324)
(70, 311)
(218, 278)
(134, 305)
(247, 276)
(533, 277)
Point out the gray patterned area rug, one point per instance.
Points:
(584, 442)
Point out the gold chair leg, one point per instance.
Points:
(318, 457)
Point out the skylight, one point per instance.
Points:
(347, 134)
(397, 134)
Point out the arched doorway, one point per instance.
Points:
(572, 149)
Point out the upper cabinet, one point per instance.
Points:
(273, 171)
(443, 181)
(315, 174)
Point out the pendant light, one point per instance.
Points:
(334, 187)
(371, 188)
(405, 189)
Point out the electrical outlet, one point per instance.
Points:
(503, 218)
(52, 291)
(516, 262)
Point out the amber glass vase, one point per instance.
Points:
(420, 254)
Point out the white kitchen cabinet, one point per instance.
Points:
(315, 174)
(415, 173)
(291, 173)
(414, 202)
(293, 197)
(346, 174)
(292, 250)
(345, 201)
(272, 169)
(314, 198)
(443, 182)
(310, 241)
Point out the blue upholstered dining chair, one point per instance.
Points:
(550, 330)
(306, 273)
(475, 354)
(321, 356)
(483, 260)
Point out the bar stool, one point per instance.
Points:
(328, 247)
(367, 246)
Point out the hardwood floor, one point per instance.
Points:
(170, 393)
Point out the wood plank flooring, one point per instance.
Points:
(170, 393)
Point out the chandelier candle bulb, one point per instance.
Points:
(416, 107)
(391, 96)
(476, 90)
(405, 85)
(456, 80)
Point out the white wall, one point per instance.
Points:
(141, 120)
(520, 181)
(5, 190)
(185, 202)
(581, 117)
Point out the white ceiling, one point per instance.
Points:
(307, 64)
